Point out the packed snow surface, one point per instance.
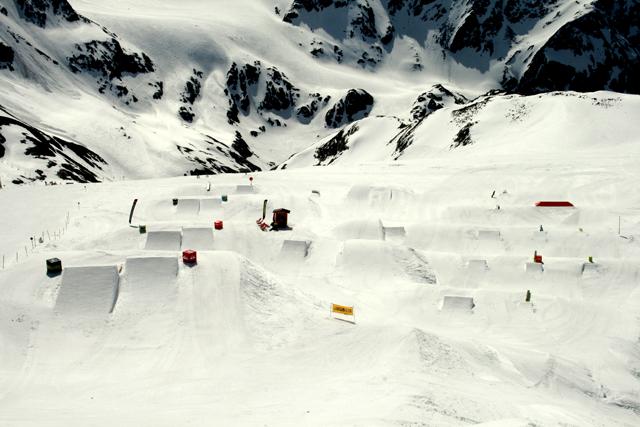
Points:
(436, 273)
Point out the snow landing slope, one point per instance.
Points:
(95, 91)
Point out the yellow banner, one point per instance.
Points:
(342, 309)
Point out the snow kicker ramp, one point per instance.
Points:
(197, 238)
(163, 241)
(88, 291)
(457, 304)
(188, 207)
(210, 206)
(150, 280)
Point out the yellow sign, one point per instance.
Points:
(342, 309)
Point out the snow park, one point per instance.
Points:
(320, 213)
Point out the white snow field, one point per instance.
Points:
(245, 336)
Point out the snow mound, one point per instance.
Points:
(295, 248)
(376, 261)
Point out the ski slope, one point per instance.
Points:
(245, 336)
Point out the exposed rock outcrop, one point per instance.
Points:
(188, 97)
(47, 12)
(55, 157)
(355, 105)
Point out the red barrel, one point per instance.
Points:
(218, 225)
(189, 256)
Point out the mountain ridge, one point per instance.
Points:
(249, 102)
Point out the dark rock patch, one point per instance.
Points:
(6, 57)
(280, 94)
(434, 99)
(186, 114)
(239, 88)
(189, 95)
(328, 152)
(108, 62)
(159, 93)
(463, 137)
(307, 112)
(39, 12)
(355, 105)
(241, 146)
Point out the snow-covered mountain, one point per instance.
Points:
(160, 89)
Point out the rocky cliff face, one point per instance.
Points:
(45, 13)
(599, 50)
(6, 57)
(588, 45)
(108, 63)
(355, 105)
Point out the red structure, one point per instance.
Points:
(189, 256)
(556, 204)
(280, 219)
(218, 225)
(537, 258)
